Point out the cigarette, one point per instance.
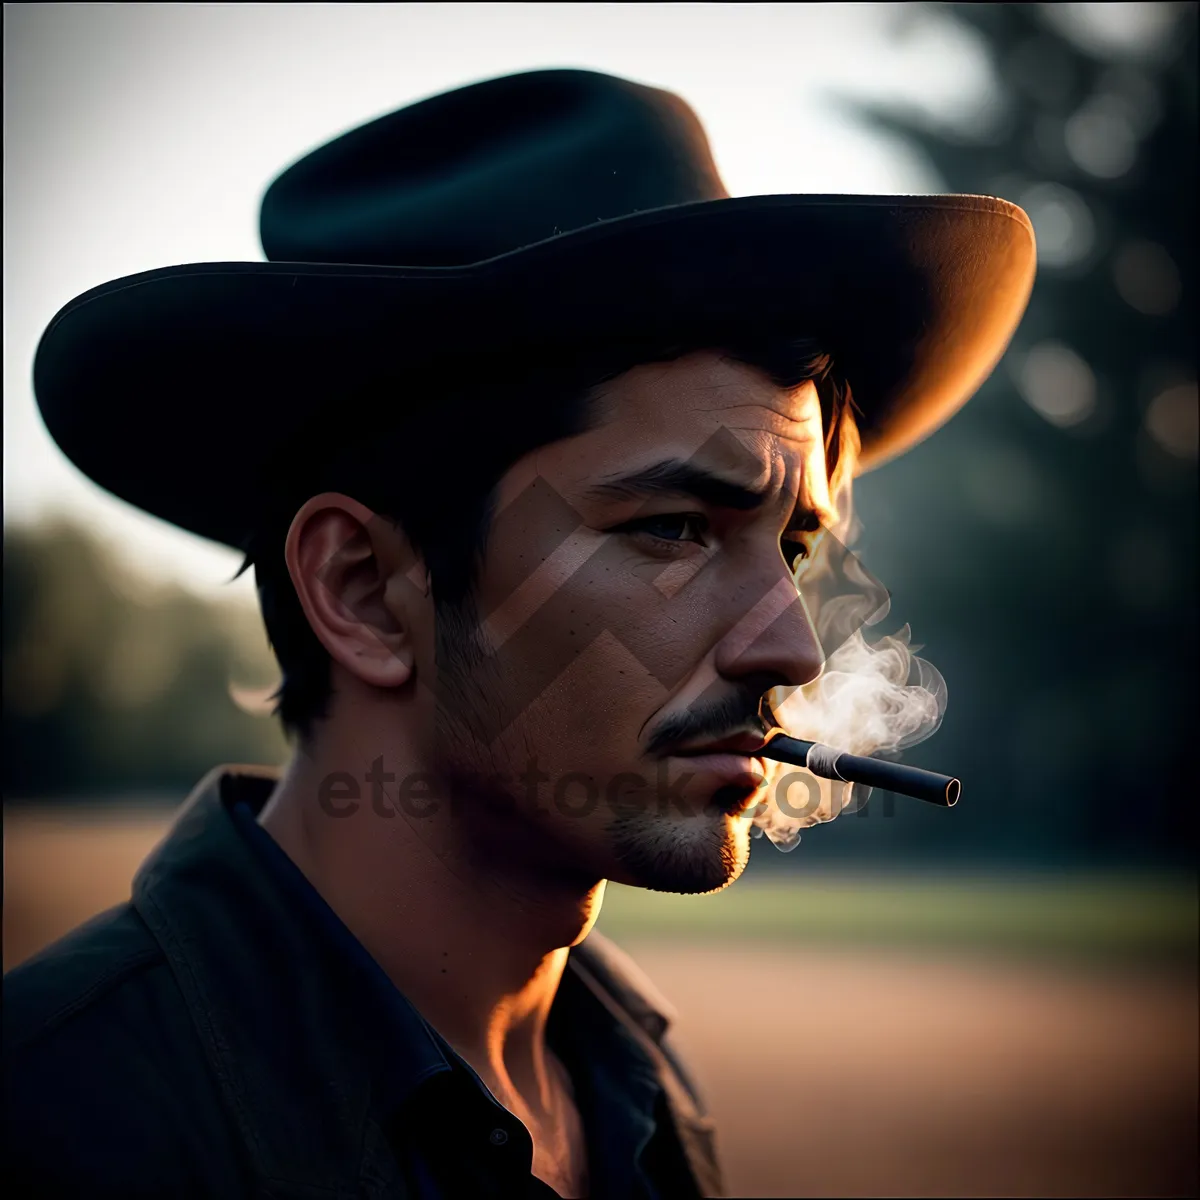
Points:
(831, 763)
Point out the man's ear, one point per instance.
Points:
(362, 587)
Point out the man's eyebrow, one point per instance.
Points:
(674, 477)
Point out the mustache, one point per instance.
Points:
(737, 711)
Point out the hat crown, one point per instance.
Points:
(483, 170)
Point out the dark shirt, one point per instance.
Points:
(615, 1086)
(224, 1034)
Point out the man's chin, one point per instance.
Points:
(695, 856)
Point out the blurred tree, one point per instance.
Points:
(112, 687)
(1047, 555)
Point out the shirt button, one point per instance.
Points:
(498, 1137)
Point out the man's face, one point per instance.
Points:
(634, 605)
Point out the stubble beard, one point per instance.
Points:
(687, 855)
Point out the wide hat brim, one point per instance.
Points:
(174, 388)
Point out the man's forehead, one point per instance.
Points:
(660, 427)
(709, 387)
(713, 414)
(716, 414)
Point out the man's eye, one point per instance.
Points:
(670, 527)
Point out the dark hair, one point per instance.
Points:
(444, 506)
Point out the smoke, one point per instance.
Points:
(871, 698)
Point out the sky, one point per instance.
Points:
(140, 135)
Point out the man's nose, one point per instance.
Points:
(774, 636)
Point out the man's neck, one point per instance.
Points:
(474, 936)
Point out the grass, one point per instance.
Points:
(1088, 916)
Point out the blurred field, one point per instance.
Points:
(883, 1074)
(858, 1036)
(1087, 917)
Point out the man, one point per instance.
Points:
(524, 426)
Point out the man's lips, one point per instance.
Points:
(747, 744)
(732, 760)
(733, 768)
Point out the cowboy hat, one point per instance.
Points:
(520, 214)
